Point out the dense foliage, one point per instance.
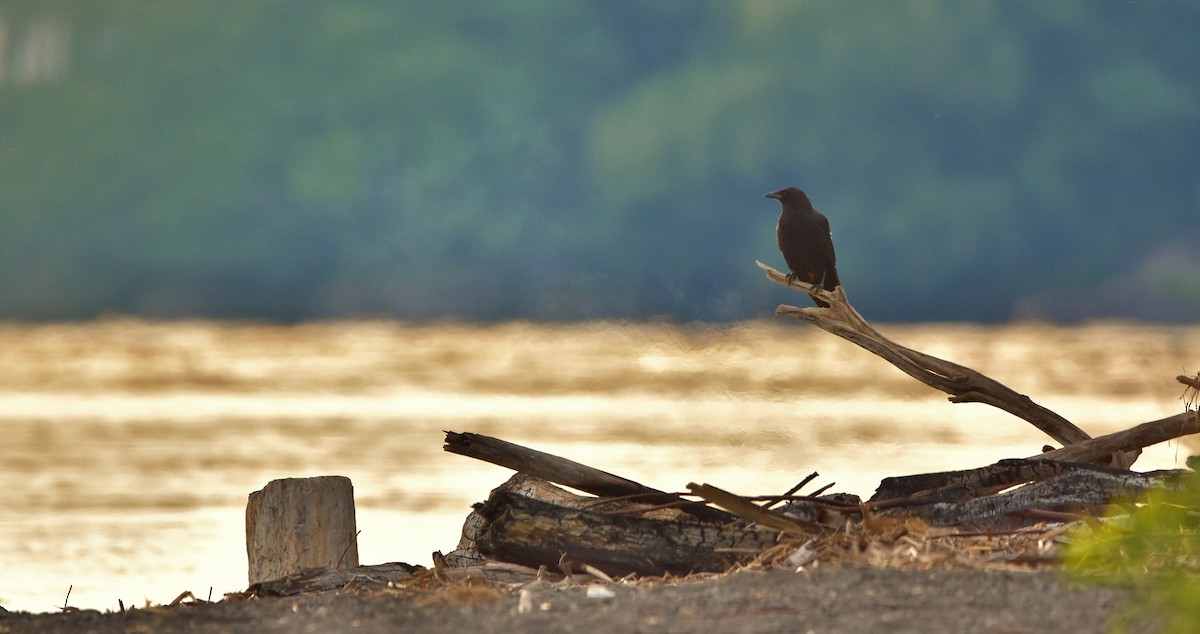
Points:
(1152, 548)
(553, 159)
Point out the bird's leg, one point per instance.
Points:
(819, 284)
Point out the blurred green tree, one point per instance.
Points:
(540, 159)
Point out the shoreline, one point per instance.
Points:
(829, 599)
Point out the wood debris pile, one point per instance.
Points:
(1011, 515)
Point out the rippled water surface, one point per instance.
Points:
(128, 448)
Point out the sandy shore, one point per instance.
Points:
(824, 601)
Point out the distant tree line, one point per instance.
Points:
(559, 160)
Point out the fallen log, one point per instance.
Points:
(969, 483)
(1072, 491)
(534, 533)
(467, 553)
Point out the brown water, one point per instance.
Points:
(128, 448)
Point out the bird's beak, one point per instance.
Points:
(775, 195)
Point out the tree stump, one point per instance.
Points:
(298, 523)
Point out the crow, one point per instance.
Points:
(805, 241)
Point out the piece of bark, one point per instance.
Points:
(565, 472)
(962, 383)
(505, 573)
(327, 578)
(295, 524)
(752, 512)
(533, 533)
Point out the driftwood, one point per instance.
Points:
(962, 383)
(1143, 435)
(968, 386)
(1006, 473)
(467, 552)
(613, 535)
(530, 522)
(634, 529)
(1068, 492)
(328, 578)
(543, 465)
(752, 512)
(566, 472)
(970, 483)
(969, 498)
(531, 532)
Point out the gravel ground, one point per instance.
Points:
(821, 601)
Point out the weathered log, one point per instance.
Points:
(1067, 492)
(969, 483)
(962, 383)
(467, 553)
(533, 533)
(566, 472)
(973, 482)
(298, 523)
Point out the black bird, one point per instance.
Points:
(805, 241)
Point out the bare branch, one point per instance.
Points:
(1128, 440)
(963, 384)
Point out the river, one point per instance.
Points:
(128, 447)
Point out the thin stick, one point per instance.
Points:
(822, 490)
(339, 561)
(809, 478)
(563, 471)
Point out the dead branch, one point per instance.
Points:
(540, 464)
(1191, 393)
(962, 383)
(565, 472)
(1128, 440)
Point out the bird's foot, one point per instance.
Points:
(792, 278)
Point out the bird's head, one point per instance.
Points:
(790, 195)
